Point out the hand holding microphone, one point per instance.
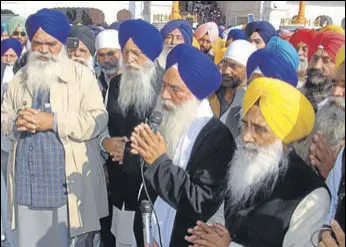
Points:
(146, 143)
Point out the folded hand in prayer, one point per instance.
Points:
(147, 144)
(31, 120)
(204, 235)
(327, 239)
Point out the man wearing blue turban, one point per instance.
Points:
(181, 170)
(268, 63)
(173, 33)
(132, 97)
(235, 34)
(54, 112)
(260, 32)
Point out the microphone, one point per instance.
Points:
(146, 210)
(155, 121)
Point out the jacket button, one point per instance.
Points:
(25, 102)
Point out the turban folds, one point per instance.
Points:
(53, 22)
(330, 41)
(209, 28)
(240, 51)
(271, 64)
(340, 57)
(304, 36)
(236, 34)
(332, 28)
(107, 39)
(86, 35)
(13, 44)
(286, 50)
(15, 22)
(144, 35)
(183, 26)
(265, 30)
(219, 56)
(286, 110)
(198, 72)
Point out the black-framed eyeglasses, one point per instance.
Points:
(16, 33)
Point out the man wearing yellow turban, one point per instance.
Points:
(274, 198)
(332, 28)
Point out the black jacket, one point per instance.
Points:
(124, 180)
(197, 192)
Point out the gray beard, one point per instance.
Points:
(176, 122)
(86, 62)
(137, 90)
(331, 120)
(41, 74)
(251, 173)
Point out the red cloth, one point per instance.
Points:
(330, 41)
(303, 36)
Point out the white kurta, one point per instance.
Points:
(166, 214)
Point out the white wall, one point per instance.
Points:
(109, 8)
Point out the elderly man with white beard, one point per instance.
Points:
(273, 199)
(175, 32)
(81, 45)
(53, 112)
(187, 165)
(132, 97)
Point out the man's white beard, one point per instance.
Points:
(251, 173)
(86, 62)
(40, 74)
(163, 56)
(331, 120)
(176, 122)
(137, 89)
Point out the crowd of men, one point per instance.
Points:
(249, 153)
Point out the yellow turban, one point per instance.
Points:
(340, 57)
(219, 56)
(332, 28)
(286, 110)
(195, 43)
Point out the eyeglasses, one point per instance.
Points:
(16, 33)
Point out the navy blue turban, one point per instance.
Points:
(196, 69)
(236, 34)
(53, 22)
(86, 35)
(183, 26)
(265, 30)
(7, 44)
(144, 35)
(273, 65)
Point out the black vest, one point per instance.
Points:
(266, 223)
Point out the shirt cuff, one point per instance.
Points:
(55, 122)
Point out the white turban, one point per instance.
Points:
(107, 39)
(240, 51)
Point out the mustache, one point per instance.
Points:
(337, 100)
(36, 55)
(316, 77)
(132, 66)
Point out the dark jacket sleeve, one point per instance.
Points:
(197, 192)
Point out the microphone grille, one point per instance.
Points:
(146, 207)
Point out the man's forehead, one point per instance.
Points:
(176, 32)
(19, 28)
(256, 35)
(339, 74)
(10, 52)
(254, 116)
(105, 50)
(41, 35)
(130, 44)
(321, 52)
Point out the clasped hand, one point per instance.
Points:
(147, 144)
(32, 120)
(204, 235)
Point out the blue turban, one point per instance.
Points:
(236, 34)
(183, 26)
(53, 22)
(144, 35)
(196, 69)
(272, 65)
(286, 50)
(7, 44)
(265, 30)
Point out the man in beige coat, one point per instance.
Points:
(53, 112)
